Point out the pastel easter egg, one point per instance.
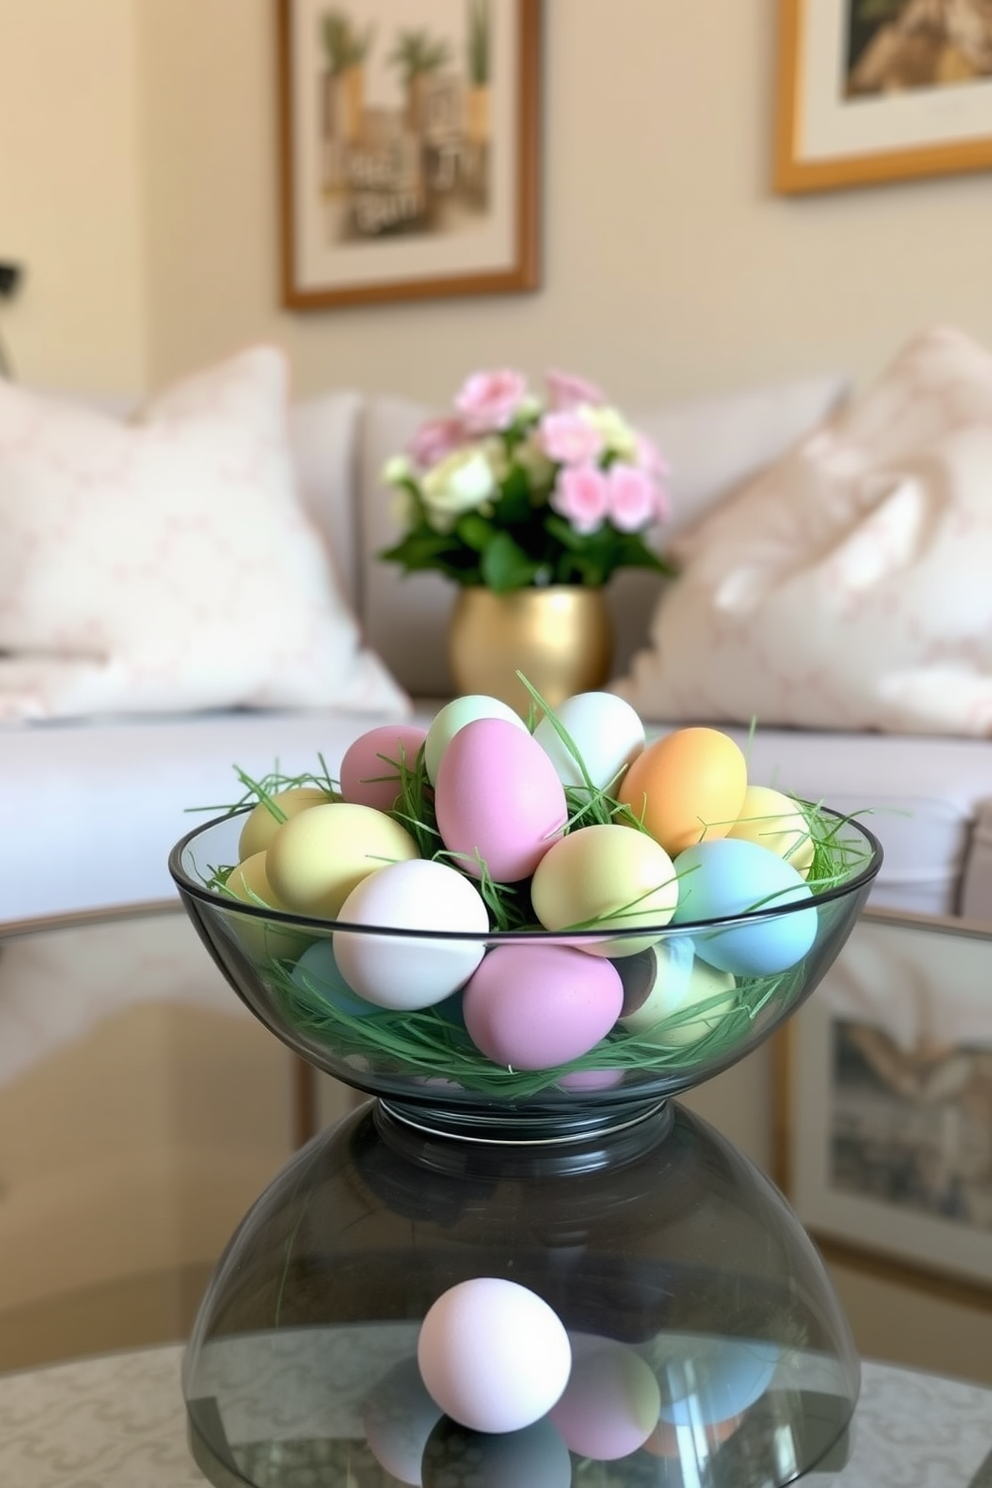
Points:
(775, 821)
(262, 939)
(262, 820)
(686, 787)
(532, 1007)
(315, 859)
(398, 1416)
(406, 973)
(731, 877)
(671, 998)
(370, 766)
(498, 800)
(606, 733)
(318, 976)
(605, 877)
(454, 716)
(610, 1405)
(706, 1379)
(493, 1354)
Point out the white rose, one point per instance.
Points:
(396, 470)
(616, 433)
(460, 482)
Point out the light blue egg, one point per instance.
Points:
(731, 877)
(317, 973)
(705, 1379)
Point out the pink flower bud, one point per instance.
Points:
(488, 401)
(581, 496)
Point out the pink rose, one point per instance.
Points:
(435, 440)
(631, 497)
(488, 401)
(581, 496)
(569, 439)
(566, 392)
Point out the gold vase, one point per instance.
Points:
(560, 637)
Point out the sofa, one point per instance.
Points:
(141, 1107)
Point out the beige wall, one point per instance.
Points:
(670, 268)
(70, 200)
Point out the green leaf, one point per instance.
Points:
(505, 565)
(476, 531)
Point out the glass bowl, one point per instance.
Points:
(695, 998)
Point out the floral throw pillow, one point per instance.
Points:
(167, 564)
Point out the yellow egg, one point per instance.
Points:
(605, 878)
(686, 787)
(249, 882)
(316, 858)
(773, 820)
(665, 986)
(261, 822)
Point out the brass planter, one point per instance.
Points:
(560, 637)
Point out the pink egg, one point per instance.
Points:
(498, 798)
(369, 773)
(532, 1007)
(610, 1405)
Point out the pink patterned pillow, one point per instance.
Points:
(848, 586)
(167, 564)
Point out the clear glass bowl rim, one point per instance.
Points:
(322, 927)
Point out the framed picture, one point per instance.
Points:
(881, 90)
(885, 1102)
(409, 148)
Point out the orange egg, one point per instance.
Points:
(686, 787)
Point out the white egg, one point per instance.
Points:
(404, 972)
(493, 1354)
(454, 716)
(605, 730)
(664, 986)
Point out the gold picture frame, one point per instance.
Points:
(883, 1105)
(852, 118)
(409, 149)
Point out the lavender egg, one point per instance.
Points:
(534, 1007)
(498, 800)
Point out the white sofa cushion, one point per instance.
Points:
(847, 586)
(169, 563)
(711, 445)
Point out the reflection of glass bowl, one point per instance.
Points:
(692, 1004)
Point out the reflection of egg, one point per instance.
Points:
(497, 798)
(706, 1379)
(605, 730)
(610, 1405)
(609, 875)
(718, 880)
(774, 821)
(396, 972)
(664, 986)
(370, 768)
(493, 1354)
(317, 974)
(536, 1006)
(535, 1457)
(398, 1417)
(454, 716)
(316, 859)
(261, 822)
(686, 787)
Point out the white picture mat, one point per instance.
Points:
(829, 125)
(953, 974)
(320, 264)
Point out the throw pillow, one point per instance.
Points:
(846, 586)
(168, 563)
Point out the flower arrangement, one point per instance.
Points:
(513, 491)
